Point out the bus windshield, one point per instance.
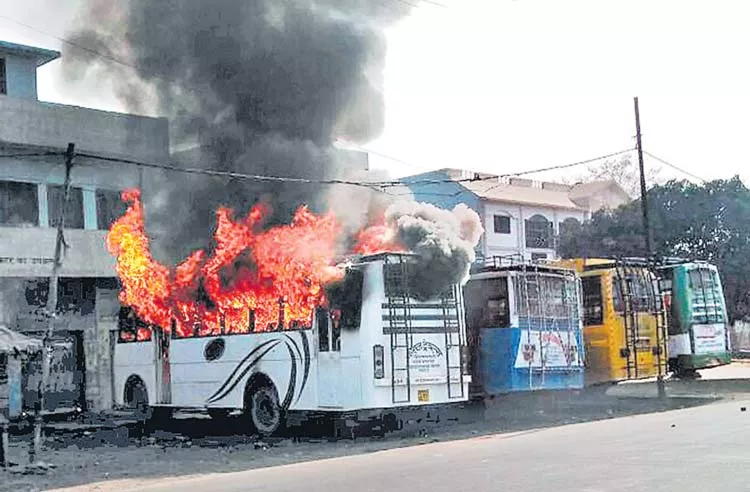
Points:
(552, 296)
(487, 303)
(639, 288)
(706, 296)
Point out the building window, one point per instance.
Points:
(3, 368)
(538, 232)
(538, 256)
(19, 205)
(502, 224)
(73, 210)
(74, 295)
(109, 207)
(3, 78)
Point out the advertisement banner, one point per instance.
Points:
(709, 338)
(550, 349)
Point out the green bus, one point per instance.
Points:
(697, 318)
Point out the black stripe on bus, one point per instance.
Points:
(237, 368)
(237, 380)
(306, 350)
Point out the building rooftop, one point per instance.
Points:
(526, 195)
(41, 55)
(585, 190)
(529, 192)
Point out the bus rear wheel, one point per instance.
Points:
(266, 415)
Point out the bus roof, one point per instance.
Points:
(516, 263)
(604, 263)
(386, 256)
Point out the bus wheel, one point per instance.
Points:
(264, 409)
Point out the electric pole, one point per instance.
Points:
(644, 199)
(52, 307)
(661, 390)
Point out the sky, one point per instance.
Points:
(507, 86)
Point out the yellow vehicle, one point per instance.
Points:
(623, 320)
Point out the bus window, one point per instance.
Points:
(640, 290)
(527, 297)
(558, 297)
(593, 312)
(706, 296)
(321, 320)
(131, 328)
(396, 277)
(336, 320)
(487, 303)
(346, 297)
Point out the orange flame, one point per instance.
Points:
(378, 238)
(275, 277)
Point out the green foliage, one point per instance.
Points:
(709, 222)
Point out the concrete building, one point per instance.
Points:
(32, 137)
(520, 216)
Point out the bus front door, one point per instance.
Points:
(161, 362)
(330, 374)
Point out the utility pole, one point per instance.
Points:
(51, 307)
(661, 390)
(644, 200)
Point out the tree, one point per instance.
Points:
(709, 222)
(622, 170)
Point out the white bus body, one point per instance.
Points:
(360, 363)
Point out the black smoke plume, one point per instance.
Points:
(443, 240)
(254, 86)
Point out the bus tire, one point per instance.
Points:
(264, 410)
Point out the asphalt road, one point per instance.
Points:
(703, 448)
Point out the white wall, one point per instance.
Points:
(21, 77)
(515, 242)
(29, 252)
(48, 125)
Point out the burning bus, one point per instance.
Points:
(373, 347)
(270, 325)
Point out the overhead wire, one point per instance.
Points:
(30, 154)
(69, 42)
(369, 184)
(676, 168)
(554, 168)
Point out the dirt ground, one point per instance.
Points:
(190, 445)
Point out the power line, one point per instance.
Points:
(368, 184)
(31, 154)
(554, 168)
(675, 167)
(237, 175)
(380, 154)
(564, 166)
(416, 3)
(70, 43)
(433, 2)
